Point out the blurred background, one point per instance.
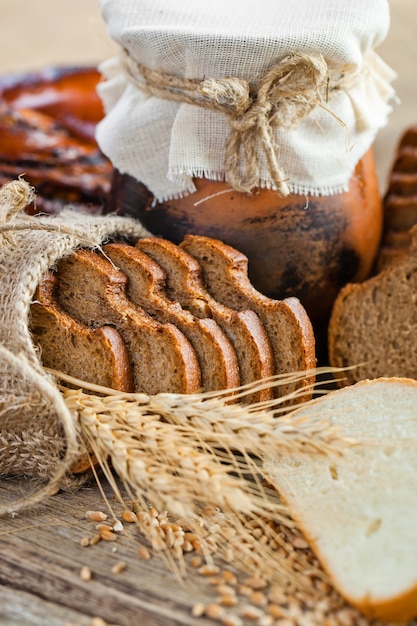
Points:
(40, 33)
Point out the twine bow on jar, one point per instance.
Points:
(282, 97)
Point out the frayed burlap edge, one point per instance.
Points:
(31, 407)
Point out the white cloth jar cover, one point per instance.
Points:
(165, 143)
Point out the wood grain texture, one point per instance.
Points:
(41, 558)
(19, 608)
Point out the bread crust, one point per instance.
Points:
(146, 288)
(397, 608)
(184, 283)
(63, 340)
(93, 291)
(289, 329)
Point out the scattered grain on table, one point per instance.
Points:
(86, 574)
(96, 516)
(119, 567)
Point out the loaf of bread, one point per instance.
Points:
(373, 325)
(400, 201)
(96, 355)
(93, 291)
(357, 510)
(184, 284)
(225, 273)
(180, 332)
(146, 288)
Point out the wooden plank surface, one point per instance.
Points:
(41, 558)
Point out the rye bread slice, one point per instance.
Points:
(289, 329)
(93, 291)
(146, 288)
(96, 355)
(373, 325)
(184, 283)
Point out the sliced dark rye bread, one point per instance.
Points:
(373, 324)
(400, 201)
(146, 288)
(96, 355)
(225, 273)
(93, 291)
(184, 284)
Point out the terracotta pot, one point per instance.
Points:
(301, 246)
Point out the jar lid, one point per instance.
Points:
(274, 94)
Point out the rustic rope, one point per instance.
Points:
(283, 97)
(15, 196)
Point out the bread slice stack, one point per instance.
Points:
(400, 201)
(358, 510)
(66, 342)
(178, 332)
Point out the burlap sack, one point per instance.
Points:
(37, 435)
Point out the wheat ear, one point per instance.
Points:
(189, 454)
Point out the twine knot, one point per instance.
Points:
(15, 196)
(283, 97)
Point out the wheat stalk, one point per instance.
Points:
(194, 454)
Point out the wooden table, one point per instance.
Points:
(41, 558)
(40, 551)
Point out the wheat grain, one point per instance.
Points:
(200, 459)
(129, 517)
(119, 567)
(85, 574)
(96, 516)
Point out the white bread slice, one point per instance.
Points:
(359, 511)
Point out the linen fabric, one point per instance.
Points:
(165, 144)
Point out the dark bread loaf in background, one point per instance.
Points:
(400, 201)
(47, 125)
(373, 324)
